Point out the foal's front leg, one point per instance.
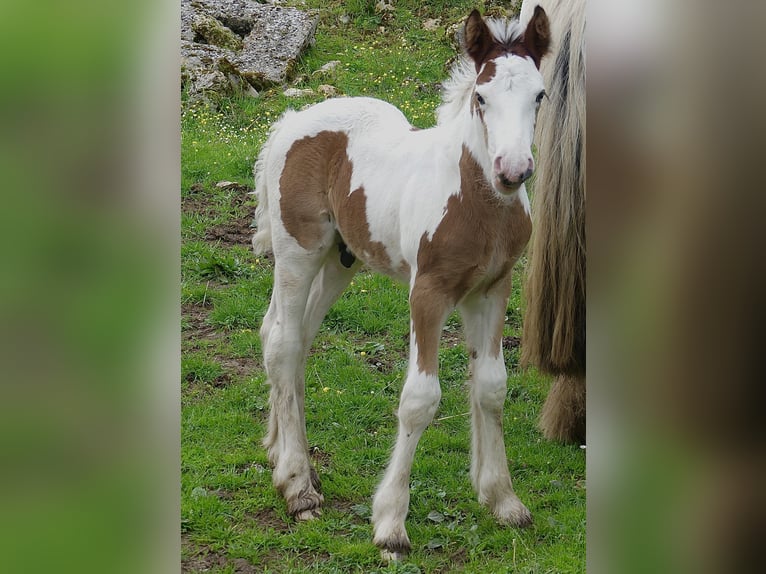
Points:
(417, 405)
(483, 318)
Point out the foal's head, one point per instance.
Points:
(507, 92)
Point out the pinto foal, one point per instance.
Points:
(445, 210)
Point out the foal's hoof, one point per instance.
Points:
(306, 507)
(389, 556)
(513, 513)
(394, 548)
(310, 514)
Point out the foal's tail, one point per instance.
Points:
(554, 320)
(262, 237)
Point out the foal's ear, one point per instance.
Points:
(477, 37)
(537, 36)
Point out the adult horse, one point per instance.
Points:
(553, 337)
(444, 210)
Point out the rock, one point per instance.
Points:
(432, 24)
(274, 44)
(327, 90)
(231, 185)
(240, 46)
(328, 67)
(215, 33)
(298, 92)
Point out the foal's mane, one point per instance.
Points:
(458, 87)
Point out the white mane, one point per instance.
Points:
(504, 31)
(458, 87)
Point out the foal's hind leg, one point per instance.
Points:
(329, 283)
(483, 317)
(294, 475)
(284, 357)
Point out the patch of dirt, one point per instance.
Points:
(237, 232)
(239, 367)
(197, 326)
(200, 558)
(234, 369)
(223, 494)
(383, 364)
(511, 342)
(200, 388)
(341, 505)
(268, 518)
(196, 204)
(320, 457)
(452, 338)
(197, 201)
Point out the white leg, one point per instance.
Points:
(417, 405)
(284, 357)
(286, 342)
(483, 317)
(329, 283)
(327, 286)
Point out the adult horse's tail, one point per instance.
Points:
(554, 321)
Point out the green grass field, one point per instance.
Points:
(232, 518)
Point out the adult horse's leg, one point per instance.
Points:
(417, 405)
(483, 318)
(284, 357)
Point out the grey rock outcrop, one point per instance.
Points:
(240, 45)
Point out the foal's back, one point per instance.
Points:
(353, 170)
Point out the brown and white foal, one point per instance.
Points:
(445, 210)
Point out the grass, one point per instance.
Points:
(232, 519)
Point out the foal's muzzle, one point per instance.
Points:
(510, 174)
(506, 182)
(510, 185)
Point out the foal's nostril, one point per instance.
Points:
(527, 174)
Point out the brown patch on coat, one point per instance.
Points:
(487, 72)
(315, 190)
(314, 167)
(472, 250)
(351, 217)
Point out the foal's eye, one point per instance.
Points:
(480, 99)
(540, 96)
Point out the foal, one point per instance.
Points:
(445, 210)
